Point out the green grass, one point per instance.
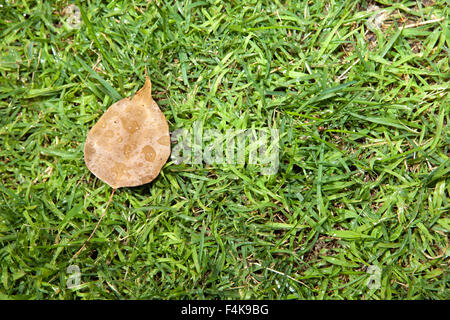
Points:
(363, 181)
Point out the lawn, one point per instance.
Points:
(357, 208)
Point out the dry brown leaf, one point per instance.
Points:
(130, 143)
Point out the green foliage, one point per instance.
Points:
(363, 181)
